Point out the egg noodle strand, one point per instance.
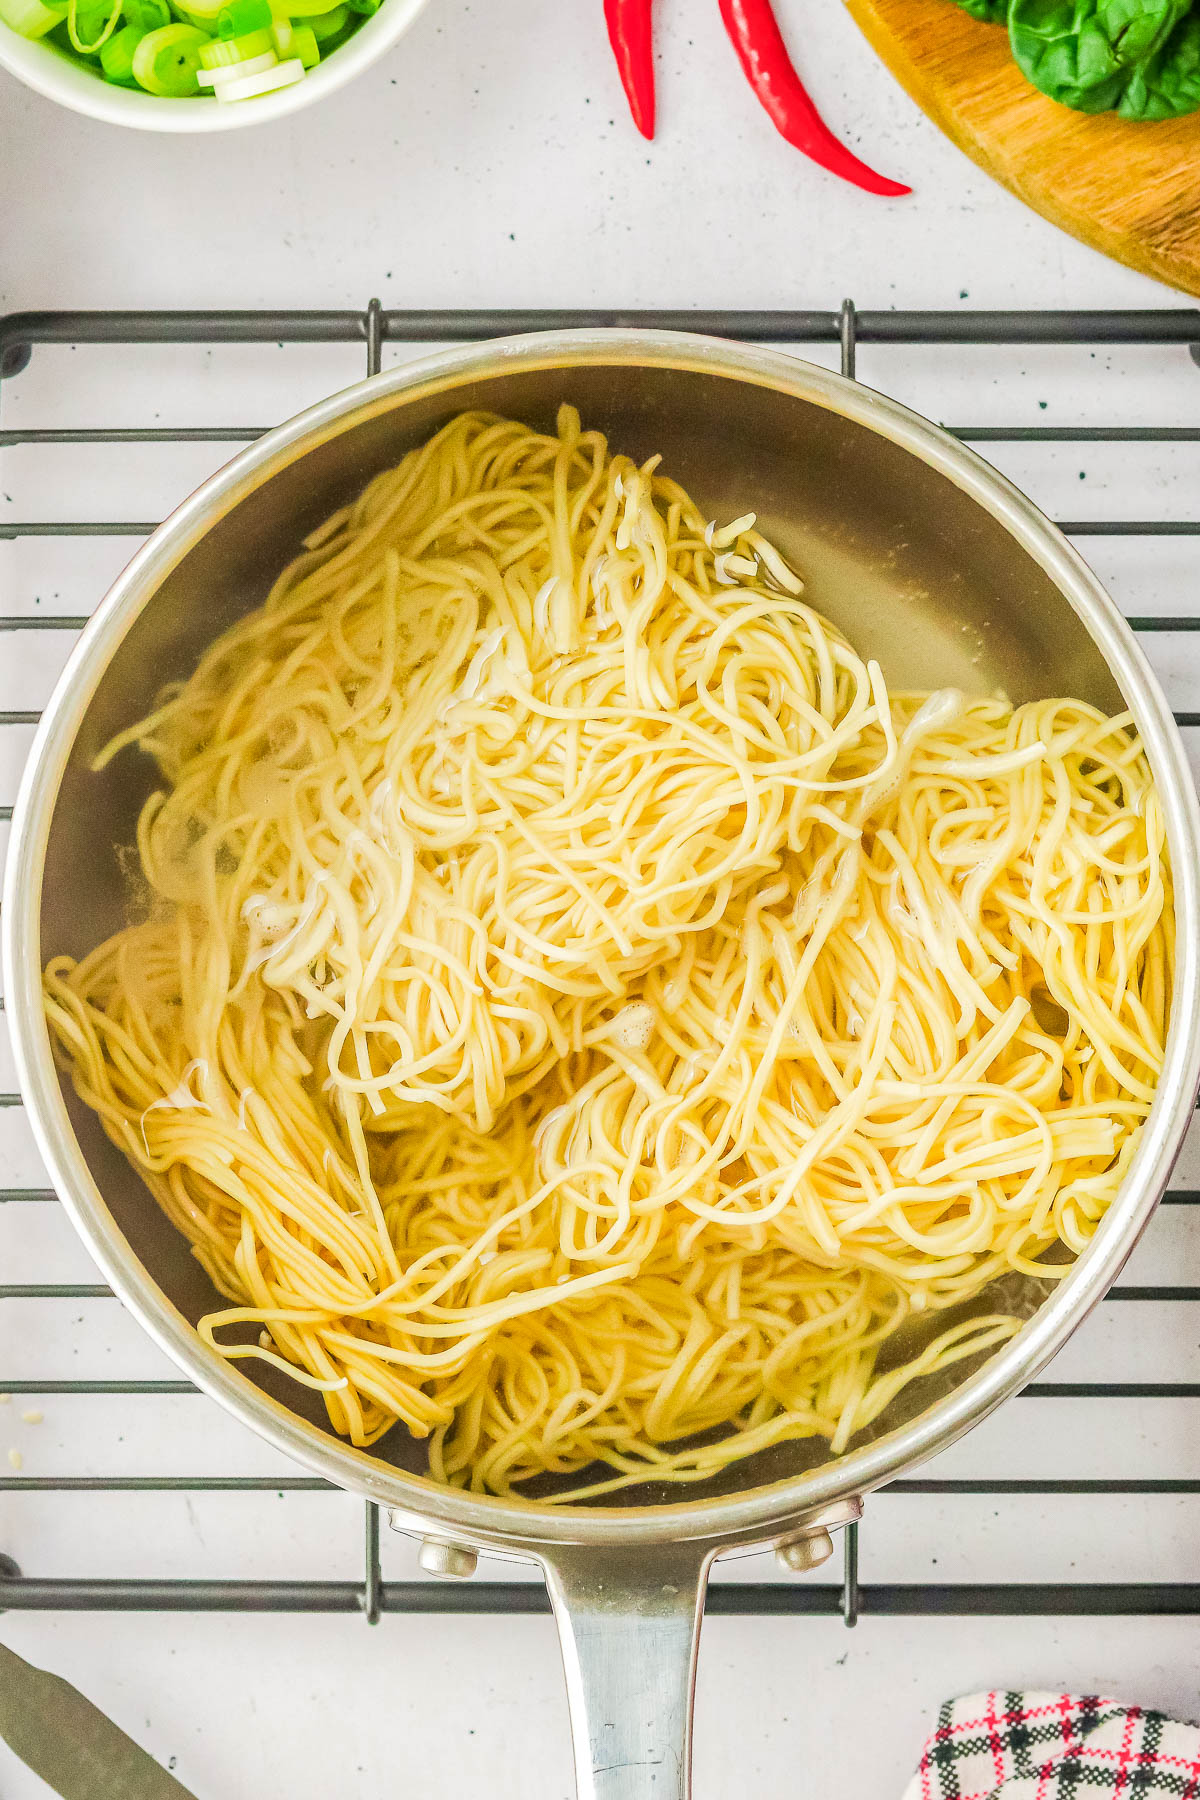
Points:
(578, 1013)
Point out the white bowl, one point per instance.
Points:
(72, 83)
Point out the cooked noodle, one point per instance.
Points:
(580, 1014)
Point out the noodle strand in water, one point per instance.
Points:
(579, 1013)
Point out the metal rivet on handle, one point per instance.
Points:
(812, 1544)
(807, 1552)
(437, 1557)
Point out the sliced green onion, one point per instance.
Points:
(253, 65)
(90, 27)
(237, 17)
(304, 45)
(30, 17)
(223, 53)
(86, 22)
(147, 15)
(249, 87)
(327, 25)
(166, 61)
(116, 58)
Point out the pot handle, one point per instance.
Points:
(629, 1624)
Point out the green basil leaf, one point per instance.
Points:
(1060, 47)
(1167, 85)
(993, 11)
(1082, 53)
(1140, 28)
(68, 1742)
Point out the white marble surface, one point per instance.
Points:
(489, 161)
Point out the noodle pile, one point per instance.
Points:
(580, 1014)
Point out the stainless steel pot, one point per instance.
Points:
(930, 561)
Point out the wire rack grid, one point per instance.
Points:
(1108, 1447)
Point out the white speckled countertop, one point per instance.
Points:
(489, 162)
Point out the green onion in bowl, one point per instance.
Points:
(216, 56)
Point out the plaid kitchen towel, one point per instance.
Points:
(1055, 1747)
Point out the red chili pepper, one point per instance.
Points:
(629, 34)
(757, 39)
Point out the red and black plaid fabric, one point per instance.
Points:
(1055, 1747)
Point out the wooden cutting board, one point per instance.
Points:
(1131, 190)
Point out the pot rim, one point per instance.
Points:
(527, 1525)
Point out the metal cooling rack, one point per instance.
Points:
(1106, 1426)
